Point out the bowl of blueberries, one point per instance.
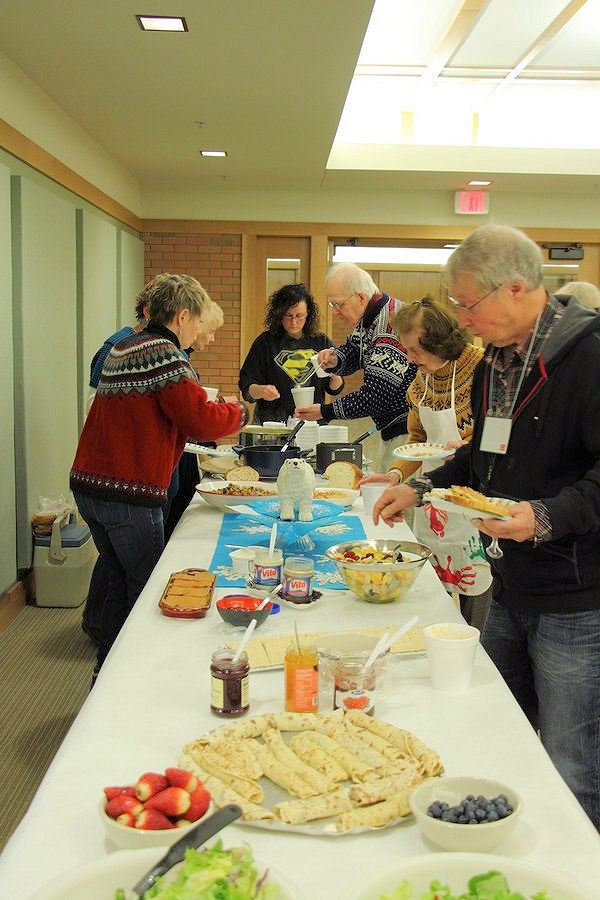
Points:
(465, 813)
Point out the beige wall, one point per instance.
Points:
(7, 453)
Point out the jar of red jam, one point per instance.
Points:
(229, 688)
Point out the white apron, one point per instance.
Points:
(458, 554)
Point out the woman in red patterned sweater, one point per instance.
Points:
(147, 404)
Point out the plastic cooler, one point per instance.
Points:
(65, 581)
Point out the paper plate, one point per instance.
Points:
(422, 452)
(439, 502)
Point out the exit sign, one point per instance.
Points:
(472, 203)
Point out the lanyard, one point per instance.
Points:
(521, 376)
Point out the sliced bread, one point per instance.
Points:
(242, 473)
(343, 474)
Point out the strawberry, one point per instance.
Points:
(181, 778)
(152, 820)
(123, 804)
(114, 791)
(173, 801)
(200, 800)
(149, 784)
(127, 819)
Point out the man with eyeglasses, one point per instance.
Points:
(372, 346)
(536, 441)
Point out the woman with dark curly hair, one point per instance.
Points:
(279, 358)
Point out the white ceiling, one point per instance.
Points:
(267, 81)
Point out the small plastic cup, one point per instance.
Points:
(371, 494)
(303, 396)
(450, 650)
(242, 560)
(319, 371)
(211, 393)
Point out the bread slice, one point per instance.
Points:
(343, 474)
(242, 473)
(465, 496)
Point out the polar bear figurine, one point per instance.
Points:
(296, 484)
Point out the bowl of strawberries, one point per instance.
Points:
(155, 811)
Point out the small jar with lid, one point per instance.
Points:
(298, 573)
(355, 686)
(229, 683)
(301, 675)
(267, 567)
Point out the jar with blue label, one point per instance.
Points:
(298, 573)
(267, 567)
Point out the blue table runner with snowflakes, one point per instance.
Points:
(330, 525)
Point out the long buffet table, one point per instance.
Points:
(152, 697)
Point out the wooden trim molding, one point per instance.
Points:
(11, 604)
(39, 159)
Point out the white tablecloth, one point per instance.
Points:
(152, 697)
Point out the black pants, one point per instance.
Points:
(188, 479)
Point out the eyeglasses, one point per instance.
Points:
(339, 305)
(299, 317)
(469, 309)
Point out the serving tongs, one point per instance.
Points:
(291, 436)
(198, 835)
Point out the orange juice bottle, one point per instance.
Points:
(301, 672)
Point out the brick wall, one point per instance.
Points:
(216, 261)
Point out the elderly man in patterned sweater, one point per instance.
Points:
(373, 347)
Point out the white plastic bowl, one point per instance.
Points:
(464, 838)
(98, 880)
(127, 838)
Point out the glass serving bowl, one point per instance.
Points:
(380, 582)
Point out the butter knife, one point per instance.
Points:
(198, 835)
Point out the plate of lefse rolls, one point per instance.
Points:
(314, 773)
(468, 502)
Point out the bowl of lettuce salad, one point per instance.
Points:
(215, 873)
(469, 876)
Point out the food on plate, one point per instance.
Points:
(472, 810)
(214, 872)
(370, 555)
(158, 801)
(188, 594)
(218, 465)
(488, 886)
(347, 767)
(343, 474)
(244, 490)
(332, 494)
(466, 496)
(242, 473)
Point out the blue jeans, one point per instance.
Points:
(551, 663)
(129, 540)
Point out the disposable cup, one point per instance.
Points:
(242, 560)
(371, 494)
(322, 373)
(303, 396)
(450, 650)
(211, 393)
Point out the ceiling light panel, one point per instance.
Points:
(402, 32)
(576, 46)
(162, 23)
(423, 256)
(373, 109)
(213, 153)
(506, 29)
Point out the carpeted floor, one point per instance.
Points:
(46, 664)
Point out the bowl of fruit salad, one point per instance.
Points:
(154, 811)
(465, 813)
(379, 571)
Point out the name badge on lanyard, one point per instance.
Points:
(495, 435)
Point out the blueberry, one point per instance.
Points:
(448, 816)
(492, 816)
(473, 822)
(434, 810)
(479, 815)
(470, 798)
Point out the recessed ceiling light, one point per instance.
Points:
(213, 152)
(162, 23)
(450, 246)
(479, 183)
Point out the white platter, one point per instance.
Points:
(438, 501)
(455, 869)
(100, 879)
(344, 496)
(422, 452)
(206, 489)
(224, 450)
